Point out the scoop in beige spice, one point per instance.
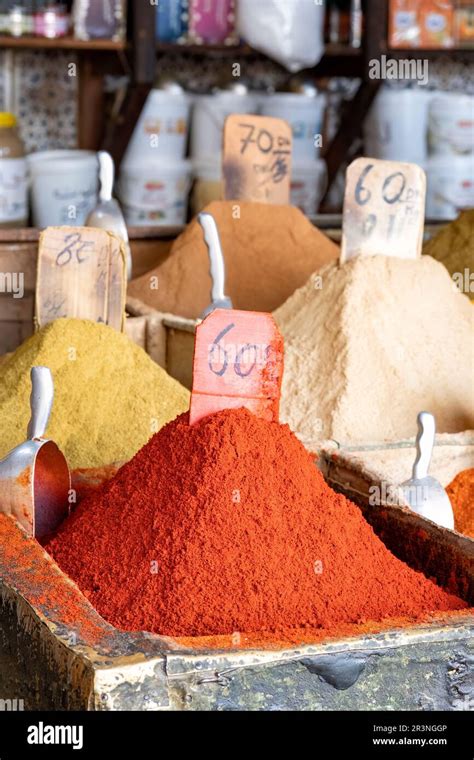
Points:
(372, 342)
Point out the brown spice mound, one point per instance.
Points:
(269, 251)
(461, 494)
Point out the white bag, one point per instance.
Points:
(289, 31)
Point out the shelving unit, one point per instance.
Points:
(137, 56)
(61, 43)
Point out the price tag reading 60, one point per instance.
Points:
(238, 361)
(384, 207)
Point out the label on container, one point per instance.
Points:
(212, 21)
(82, 274)
(384, 209)
(257, 159)
(172, 20)
(238, 362)
(13, 190)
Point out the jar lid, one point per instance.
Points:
(7, 119)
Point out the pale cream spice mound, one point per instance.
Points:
(372, 342)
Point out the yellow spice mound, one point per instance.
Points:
(110, 397)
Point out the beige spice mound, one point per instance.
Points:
(269, 251)
(381, 340)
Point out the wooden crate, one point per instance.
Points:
(57, 653)
(19, 254)
(168, 339)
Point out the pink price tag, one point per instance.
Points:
(238, 362)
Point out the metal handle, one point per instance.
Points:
(216, 258)
(106, 175)
(41, 401)
(424, 444)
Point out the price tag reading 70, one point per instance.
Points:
(238, 362)
(257, 159)
(384, 207)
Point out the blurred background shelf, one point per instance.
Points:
(60, 43)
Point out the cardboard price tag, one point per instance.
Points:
(384, 209)
(81, 273)
(257, 159)
(238, 361)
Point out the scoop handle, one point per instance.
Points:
(216, 258)
(424, 444)
(106, 175)
(41, 401)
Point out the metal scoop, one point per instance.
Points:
(107, 215)
(34, 477)
(425, 495)
(216, 264)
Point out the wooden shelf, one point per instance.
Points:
(61, 43)
(458, 54)
(330, 50)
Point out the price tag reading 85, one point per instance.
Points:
(238, 362)
(384, 209)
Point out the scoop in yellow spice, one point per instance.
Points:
(110, 397)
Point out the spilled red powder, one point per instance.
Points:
(25, 567)
(228, 526)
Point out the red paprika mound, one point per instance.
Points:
(229, 526)
(461, 494)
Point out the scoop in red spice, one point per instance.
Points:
(229, 526)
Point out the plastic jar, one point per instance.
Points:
(156, 193)
(450, 186)
(161, 132)
(308, 185)
(209, 115)
(451, 124)
(64, 186)
(208, 185)
(396, 127)
(305, 114)
(13, 175)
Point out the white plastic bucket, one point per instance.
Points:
(161, 132)
(396, 128)
(450, 186)
(155, 193)
(208, 184)
(308, 185)
(451, 124)
(64, 186)
(209, 115)
(305, 114)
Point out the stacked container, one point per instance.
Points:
(155, 178)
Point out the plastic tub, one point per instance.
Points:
(450, 186)
(209, 115)
(396, 128)
(64, 186)
(208, 184)
(308, 185)
(161, 132)
(451, 124)
(155, 194)
(305, 114)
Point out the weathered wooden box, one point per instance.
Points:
(57, 653)
(18, 259)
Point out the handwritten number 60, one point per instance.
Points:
(222, 353)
